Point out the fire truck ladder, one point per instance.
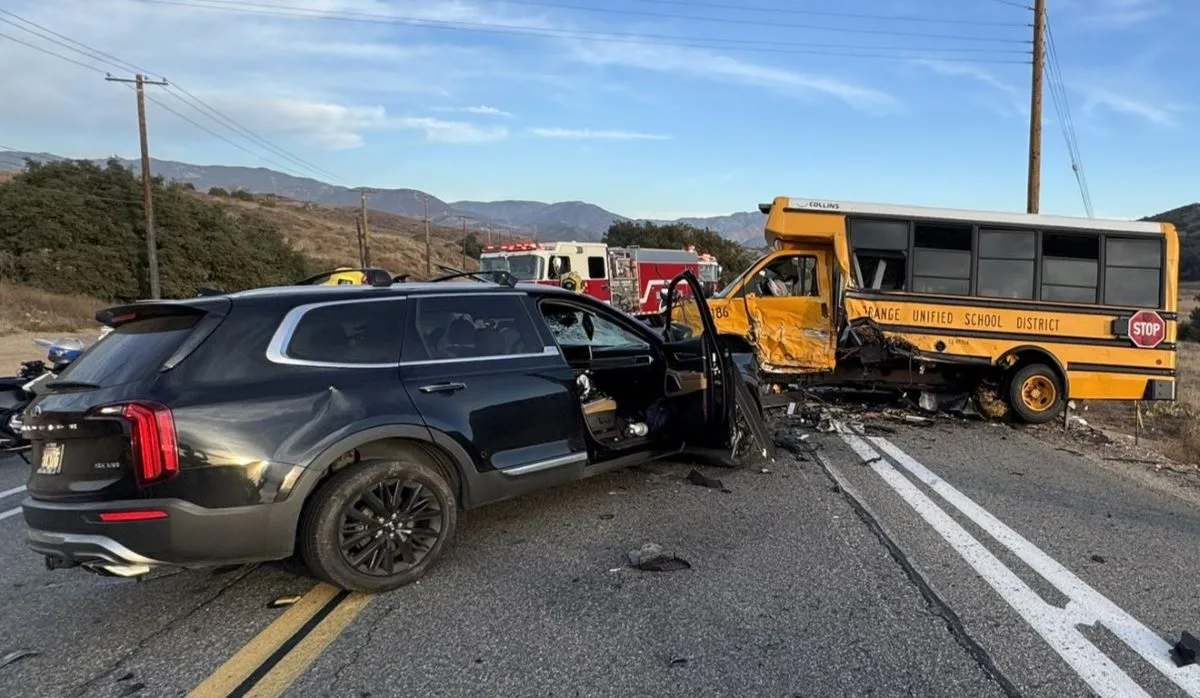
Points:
(623, 278)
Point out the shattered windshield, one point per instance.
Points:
(526, 267)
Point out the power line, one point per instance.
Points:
(720, 6)
(1058, 93)
(599, 37)
(109, 59)
(247, 6)
(51, 53)
(202, 106)
(93, 53)
(811, 13)
(1012, 3)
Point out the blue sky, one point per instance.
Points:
(645, 108)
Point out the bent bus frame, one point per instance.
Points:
(1044, 308)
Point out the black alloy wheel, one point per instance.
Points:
(390, 527)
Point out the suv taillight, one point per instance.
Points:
(152, 440)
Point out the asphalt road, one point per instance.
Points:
(827, 576)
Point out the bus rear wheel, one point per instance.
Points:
(1036, 394)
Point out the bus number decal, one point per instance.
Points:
(721, 312)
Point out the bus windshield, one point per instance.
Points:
(737, 281)
(526, 267)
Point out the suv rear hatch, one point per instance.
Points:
(96, 431)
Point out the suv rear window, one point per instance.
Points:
(131, 352)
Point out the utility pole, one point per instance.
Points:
(148, 204)
(428, 253)
(366, 233)
(1033, 196)
(463, 220)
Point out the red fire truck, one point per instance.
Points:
(629, 278)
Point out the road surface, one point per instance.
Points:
(962, 559)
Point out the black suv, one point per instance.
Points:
(350, 422)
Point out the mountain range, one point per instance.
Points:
(563, 220)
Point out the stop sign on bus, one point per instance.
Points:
(1147, 329)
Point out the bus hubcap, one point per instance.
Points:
(1038, 393)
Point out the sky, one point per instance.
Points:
(648, 108)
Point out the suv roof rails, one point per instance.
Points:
(497, 276)
(375, 276)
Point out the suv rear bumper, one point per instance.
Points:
(189, 536)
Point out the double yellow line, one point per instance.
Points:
(281, 653)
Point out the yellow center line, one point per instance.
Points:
(242, 665)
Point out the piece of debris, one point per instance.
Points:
(606, 517)
(284, 601)
(918, 421)
(791, 444)
(877, 429)
(697, 478)
(678, 661)
(765, 471)
(1186, 650)
(1098, 558)
(652, 558)
(17, 655)
(131, 688)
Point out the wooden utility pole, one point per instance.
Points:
(428, 252)
(366, 233)
(463, 220)
(148, 204)
(1033, 197)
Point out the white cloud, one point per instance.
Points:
(1153, 111)
(1124, 13)
(968, 71)
(712, 66)
(484, 110)
(438, 131)
(589, 134)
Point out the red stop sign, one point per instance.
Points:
(1147, 329)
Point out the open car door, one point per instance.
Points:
(717, 413)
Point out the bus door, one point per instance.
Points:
(789, 303)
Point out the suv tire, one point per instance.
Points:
(401, 496)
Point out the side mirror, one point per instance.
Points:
(555, 267)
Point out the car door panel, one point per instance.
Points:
(512, 412)
(794, 333)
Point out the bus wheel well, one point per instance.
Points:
(1016, 359)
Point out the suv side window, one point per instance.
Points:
(470, 326)
(355, 332)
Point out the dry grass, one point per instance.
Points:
(24, 309)
(328, 234)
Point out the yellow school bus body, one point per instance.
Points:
(803, 338)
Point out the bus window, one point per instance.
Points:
(941, 259)
(1133, 272)
(1070, 267)
(880, 253)
(1006, 263)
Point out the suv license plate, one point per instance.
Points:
(51, 463)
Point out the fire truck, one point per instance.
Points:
(629, 278)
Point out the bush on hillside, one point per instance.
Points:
(242, 195)
(217, 191)
(78, 228)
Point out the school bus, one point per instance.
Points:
(1041, 309)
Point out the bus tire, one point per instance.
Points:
(1035, 394)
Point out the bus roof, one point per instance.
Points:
(808, 205)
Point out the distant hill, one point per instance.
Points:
(1186, 219)
(564, 220)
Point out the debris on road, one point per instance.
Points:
(678, 661)
(17, 655)
(1186, 650)
(698, 478)
(652, 558)
(284, 601)
(1099, 558)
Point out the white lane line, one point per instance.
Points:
(9, 493)
(1057, 626)
(1088, 605)
(10, 512)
